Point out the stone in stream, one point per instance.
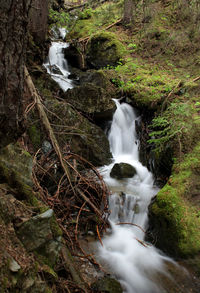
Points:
(55, 69)
(122, 170)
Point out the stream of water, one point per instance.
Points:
(134, 262)
(56, 65)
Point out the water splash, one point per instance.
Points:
(133, 261)
(56, 64)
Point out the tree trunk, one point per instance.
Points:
(128, 11)
(13, 29)
(38, 19)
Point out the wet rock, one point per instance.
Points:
(94, 95)
(54, 69)
(46, 146)
(36, 231)
(73, 76)
(122, 170)
(107, 285)
(74, 57)
(104, 49)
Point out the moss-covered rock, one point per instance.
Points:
(175, 215)
(104, 49)
(75, 132)
(15, 162)
(94, 95)
(37, 235)
(122, 170)
(19, 271)
(107, 285)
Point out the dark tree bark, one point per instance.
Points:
(128, 11)
(38, 19)
(13, 31)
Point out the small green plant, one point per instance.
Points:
(86, 13)
(132, 46)
(59, 18)
(172, 125)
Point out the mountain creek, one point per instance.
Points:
(101, 191)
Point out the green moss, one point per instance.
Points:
(56, 231)
(144, 83)
(102, 16)
(176, 216)
(35, 135)
(104, 49)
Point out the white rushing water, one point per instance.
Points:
(134, 262)
(56, 64)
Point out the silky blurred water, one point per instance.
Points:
(134, 262)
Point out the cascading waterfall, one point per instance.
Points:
(134, 262)
(56, 65)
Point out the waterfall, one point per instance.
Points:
(56, 65)
(133, 261)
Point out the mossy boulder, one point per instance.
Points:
(83, 137)
(122, 170)
(104, 49)
(19, 271)
(38, 235)
(94, 95)
(15, 163)
(175, 214)
(107, 285)
(75, 132)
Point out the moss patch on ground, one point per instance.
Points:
(97, 19)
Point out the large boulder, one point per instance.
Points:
(174, 214)
(122, 170)
(74, 57)
(74, 132)
(104, 49)
(94, 95)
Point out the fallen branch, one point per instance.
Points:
(197, 78)
(114, 23)
(106, 28)
(132, 225)
(46, 123)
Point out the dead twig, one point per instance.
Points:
(131, 225)
(169, 95)
(98, 234)
(196, 79)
